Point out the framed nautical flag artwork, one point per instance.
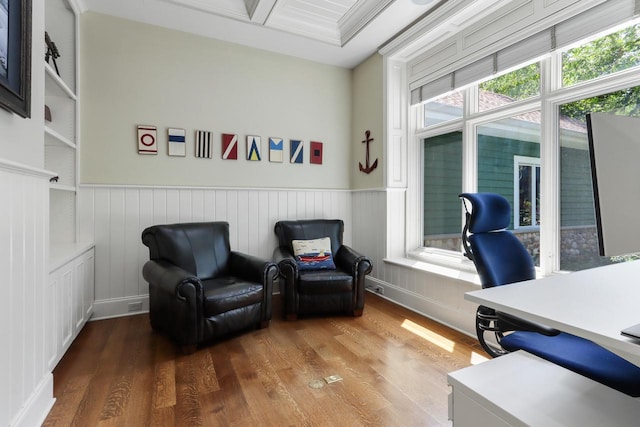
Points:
(276, 150)
(315, 148)
(229, 146)
(253, 148)
(296, 151)
(177, 142)
(147, 140)
(203, 144)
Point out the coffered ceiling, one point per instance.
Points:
(337, 32)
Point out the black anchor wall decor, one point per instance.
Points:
(368, 168)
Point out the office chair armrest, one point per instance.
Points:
(507, 322)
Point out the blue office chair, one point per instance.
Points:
(501, 259)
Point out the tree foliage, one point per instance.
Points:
(606, 55)
(609, 54)
(520, 84)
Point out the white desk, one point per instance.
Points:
(595, 304)
(522, 390)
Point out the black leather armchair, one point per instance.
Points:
(320, 291)
(198, 288)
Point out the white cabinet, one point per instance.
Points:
(69, 302)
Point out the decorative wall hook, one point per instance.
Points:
(368, 167)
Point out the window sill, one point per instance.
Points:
(443, 263)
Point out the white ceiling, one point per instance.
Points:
(336, 32)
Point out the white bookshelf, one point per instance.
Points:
(61, 134)
(70, 291)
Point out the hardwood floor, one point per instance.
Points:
(393, 363)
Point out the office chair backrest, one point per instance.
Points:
(500, 258)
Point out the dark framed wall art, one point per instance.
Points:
(15, 56)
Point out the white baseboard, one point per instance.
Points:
(37, 407)
(455, 319)
(118, 307)
(128, 306)
(432, 309)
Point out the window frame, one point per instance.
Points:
(552, 95)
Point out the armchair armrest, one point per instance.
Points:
(256, 270)
(359, 265)
(177, 297)
(170, 278)
(252, 268)
(282, 253)
(286, 261)
(350, 260)
(288, 279)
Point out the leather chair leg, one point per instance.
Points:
(292, 316)
(264, 324)
(358, 312)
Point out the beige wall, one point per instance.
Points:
(367, 114)
(137, 74)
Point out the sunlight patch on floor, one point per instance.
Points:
(437, 339)
(477, 358)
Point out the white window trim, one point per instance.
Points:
(517, 162)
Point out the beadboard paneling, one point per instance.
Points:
(26, 389)
(114, 217)
(435, 296)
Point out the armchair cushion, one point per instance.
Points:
(313, 254)
(324, 282)
(229, 293)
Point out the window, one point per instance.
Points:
(606, 55)
(518, 135)
(578, 234)
(503, 145)
(442, 184)
(443, 109)
(511, 87)
(526, 195)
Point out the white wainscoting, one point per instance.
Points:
(26, 388)
(114, 217)
(433, 295)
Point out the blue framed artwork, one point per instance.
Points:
(276, 150)
(253, 148)
(296, 151)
